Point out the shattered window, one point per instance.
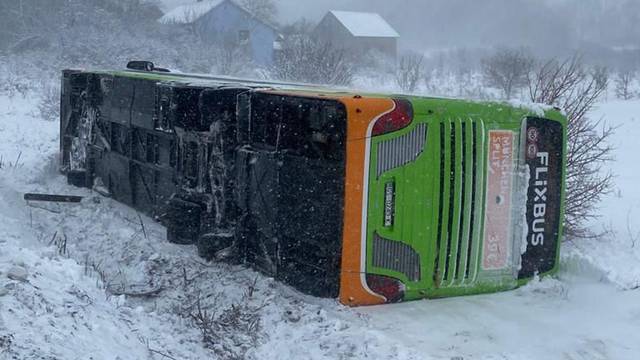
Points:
(191, 160)
(120, 141)
(305, 127)
(139, 145)
(164, 105)
(173, 154)
(153, 155)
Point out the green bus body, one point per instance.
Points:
(423, 191)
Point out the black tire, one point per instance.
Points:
(79, 178)
(210, 245)
(183, 221)
(175, 236)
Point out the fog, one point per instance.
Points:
(546, 26)
(105, 33)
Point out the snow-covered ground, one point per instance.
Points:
(97, 280)
(617, 251)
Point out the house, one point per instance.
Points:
(226, 22)
(358, 32)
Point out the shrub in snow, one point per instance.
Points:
(623, 83)
(232, 59)
(571, 86)
(230, 331)
(71, 34)
(507, 70)
(5, 343)
(410, 71)
(305, 59)
(49, 104)
(12, 82)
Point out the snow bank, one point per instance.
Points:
(617, 250)
(107, 253)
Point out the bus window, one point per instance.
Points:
(191, 162)
(305, 127)
(120, 140)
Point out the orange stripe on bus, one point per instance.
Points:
(360, 113)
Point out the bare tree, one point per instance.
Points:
(410, 71)
(507, 69)
(263, 9)
(305, 59)
(623, 82)
(231, 57)
(601, 76)
(570, 86)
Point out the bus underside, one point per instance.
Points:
(247, 176)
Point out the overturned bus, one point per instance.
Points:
(368, 198)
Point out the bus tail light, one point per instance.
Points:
(399, 118)
(392, 289)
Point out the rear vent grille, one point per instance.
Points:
(461, 160)
(402, 150)
(396, 256)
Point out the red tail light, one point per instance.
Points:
(390, 288)
(399, 118)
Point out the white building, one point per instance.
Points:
(358, 32)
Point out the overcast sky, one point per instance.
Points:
(314, 10)
(550, 24)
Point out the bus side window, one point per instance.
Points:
(257, 120)
(139, 144)
(173, 154)
(243, 111)
(153, 155)
(120, 140)
(305, 127)
(272, 125)
(163, 98)
(191, 161)
(291, 127)
(326, 136)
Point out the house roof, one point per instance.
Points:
(189, 13)
(362, 24)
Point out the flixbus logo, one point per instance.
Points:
(540, 188)
(539, 181)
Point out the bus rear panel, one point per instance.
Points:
(466, 199)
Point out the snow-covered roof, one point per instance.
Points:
(361, 24)
(168, 5)
(188, 13)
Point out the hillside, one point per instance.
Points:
(98, 280)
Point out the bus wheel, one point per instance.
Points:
(79, 178)
(182, 220)
(216, 246)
